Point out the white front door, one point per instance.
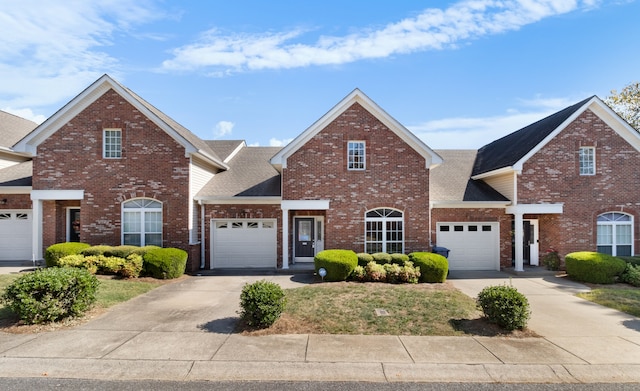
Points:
(531, 242)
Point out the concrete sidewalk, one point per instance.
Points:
(182, 331)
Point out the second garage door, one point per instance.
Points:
(244, 243)
(15, 235)
(473, 246)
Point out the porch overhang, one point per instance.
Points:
(305, 204)
(535, 209)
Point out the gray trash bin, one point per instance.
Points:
(441, 250)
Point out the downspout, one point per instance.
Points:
(430, 207)
(202, 236)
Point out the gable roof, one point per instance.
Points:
(450, 182)
(356, 96)
(192, 143)
(13, 128)
(225, 149)
(513, 150)
(249, 175)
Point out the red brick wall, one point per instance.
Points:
(487, 215)
(552, 176)
(224, 211)
(16, 201)
(395, 177)
(153, 165)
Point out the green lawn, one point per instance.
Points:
(619, 297)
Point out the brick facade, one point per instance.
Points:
(153, 165)
(552, 176)
(395, 177)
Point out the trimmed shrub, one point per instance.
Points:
(505, 306)
(375, 272)
(359, 274)
(165, 263)
(381, 258)
(339, 264)
(97, 250)
(551, 260)
(392, 271)
(635, 260)
(121, 251)
(433, 267)
(54, 252)
(51, 294)
(631, 275)
(399, 259)
(143, 250)
(364, 258)
(90, 264)
(261, 303)
(596, 268)
(409, 273)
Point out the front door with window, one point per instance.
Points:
(304, 239)
(73, 230)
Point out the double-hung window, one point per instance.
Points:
(587, 159)
(356, 159)
(112, 143)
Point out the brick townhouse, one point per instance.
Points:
(110, 168)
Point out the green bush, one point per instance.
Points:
(338, 263)
(96, 250)
(59, 250)
(364, 258)
(409, 273)
(121, 251)
(433, 267)
(551, 260)
(381, 258)
(594, 267)
(261, 303)
(165, 263)
(635, 260)
(375, 272)
(359, 274)
(505, 306)
(399, 259)
(90, 264)
(51, 294)
(143, 250)
(631, 275)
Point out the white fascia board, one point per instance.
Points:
(615, 122)
(239, 200)
(500, 171)
(432, 159)
(305, 204)
(469, 204)
(536, 209)
(52, 195)
(15, 189)
(235, 151)
(207, 157)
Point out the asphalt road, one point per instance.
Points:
(45, 384)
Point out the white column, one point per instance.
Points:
(519, 238)
(36, 230)
(285, 238)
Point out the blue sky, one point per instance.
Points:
(459, 74)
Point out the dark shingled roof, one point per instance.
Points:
(250, 174)
(450, 181)
(506, 151)
(13, 128)
(17, 175)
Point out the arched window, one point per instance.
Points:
(142, 222)
(615, 234)
(384, 231)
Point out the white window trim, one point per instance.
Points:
(613, 225)
(580, 156)
(384, 220)
(104, 143)
(364, 154)
(142, 221)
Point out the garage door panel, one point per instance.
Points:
(472, 245)
(15, 235)
(243, 243)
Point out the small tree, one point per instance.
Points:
(627, 103)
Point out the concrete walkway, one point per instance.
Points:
(182, 331)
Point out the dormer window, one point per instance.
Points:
(587, 159)
(112, 143)
(356, 155)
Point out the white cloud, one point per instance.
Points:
(223, 129)
(433, 29)
(274, 142)
(473, 133)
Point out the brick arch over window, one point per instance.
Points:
(615, 233)
(142, 222)
(384, 231)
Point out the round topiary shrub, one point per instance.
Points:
(399, 259)
(433, 267)
(381, 258)
(338, 263)
(59, 250)
(165, 263)
(596, 268)
(505, 306)
(364, 258)
(261, 303)
(51, 294)
(101, 249)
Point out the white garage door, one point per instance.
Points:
(474, 246)
(243, 243)
(15, 235)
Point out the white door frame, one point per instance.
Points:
(318, 237)
(534, 247)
